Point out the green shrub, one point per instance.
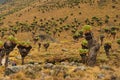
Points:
(118, 41)
(76, 35)
(12, 38)
(80, 32)
(113, 28)
(84, 42)
(87, 28)
(73, 30)
(113, 32)
(106, 30)
(66, 27)
(24, 43)
(108, 42)
(82, 51)
(1, 43)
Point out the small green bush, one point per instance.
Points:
(12, 38)
(87, 28)
(1, 43)
(118, 41)
(24, 43)
(113, 32)
(76, 35)
(82, 51)
(106, 30)
(108, 42)
(84, 42)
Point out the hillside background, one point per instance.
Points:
(58, 22)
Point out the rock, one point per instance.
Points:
(100, 76)
(48, 66)
(18, 57)
(13, 69)
(106, 67)
(79, 64)
(64, 63)
(30, 73)
(65, 50)
(35, 68)
(72, 63)
(83, 68)
(43, 76)
(36, 63)
(29, 67)
(59, 69)
(55, 72)
(3, 61)
(52, 72)
(10, 62)
(30, 55)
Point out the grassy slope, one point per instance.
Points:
(87, 12)
(55, 49)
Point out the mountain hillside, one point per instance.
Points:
(60, 40)
(4, 1)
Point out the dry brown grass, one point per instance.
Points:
(65, 41)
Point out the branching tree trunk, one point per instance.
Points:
(93, 53)
(107, 48)
(39, 46)
(2, 54)
(101, 39)
(46, 45)
(24, 50)
(89, 38)
(84, 58)
(93, 47)
(9, 46)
